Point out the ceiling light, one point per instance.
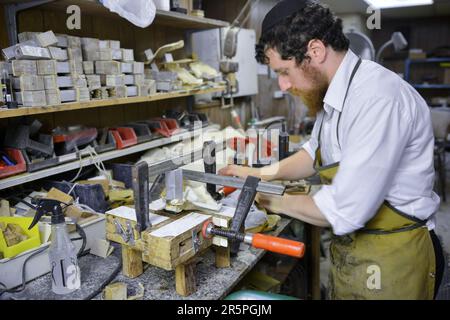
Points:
(384, 4)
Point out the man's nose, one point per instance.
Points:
(284, 83)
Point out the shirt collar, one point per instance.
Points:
(336, 90)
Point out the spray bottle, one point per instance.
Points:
(65, 271)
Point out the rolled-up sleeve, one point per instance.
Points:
(373, 140)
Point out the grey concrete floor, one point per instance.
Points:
(442, 230)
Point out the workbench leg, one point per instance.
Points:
(313, 258)
(223, 257)
(131, 262)
(185, 279)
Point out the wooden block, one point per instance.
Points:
(4, 208)
(132, 262)
(103, 44)
(115, 291)
(76, 67)
(46, 67)
(5, 67)
(28, 82)
(90, 43)
(185, 279)
(172, 243)
(113, 235)
(56, 194)
(23, 67)
(222, 257)
(31, 98)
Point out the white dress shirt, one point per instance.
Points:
(385, 147)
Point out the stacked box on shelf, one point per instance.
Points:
(71, 80)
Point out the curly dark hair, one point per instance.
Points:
(291, 37)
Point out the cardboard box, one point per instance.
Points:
(53, 97)
(31, 98)
(46, 67)
(28, 82)
(127, 55)
(62, 41)
(126, 67)
(58, 53)
(132, 91)
(50, 82)
(73, 42)
(23, 67)
(93, 81)
(75, 54)
(138, 67)
(107, 67)
(23, 52)
(111, 80)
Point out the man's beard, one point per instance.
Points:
(313, 98)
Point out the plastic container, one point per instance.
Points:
(142, 131)
(105, 141)
(32, 242)
(125, 137)
(17, 156)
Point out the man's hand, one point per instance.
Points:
(239, 171)
(274, 204)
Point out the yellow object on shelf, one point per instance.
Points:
(33, 240)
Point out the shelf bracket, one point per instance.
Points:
(11, 11)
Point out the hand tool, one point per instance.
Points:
(257, 240)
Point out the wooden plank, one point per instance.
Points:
(168, 246)
(185, 283)
(8, 113)
(222, 257)
(132, 262)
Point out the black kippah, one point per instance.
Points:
(282, 10)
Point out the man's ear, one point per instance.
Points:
(317, 51)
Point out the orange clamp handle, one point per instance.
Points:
(278, 245)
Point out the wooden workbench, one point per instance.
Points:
(212, 283)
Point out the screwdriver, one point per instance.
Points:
(257, 240)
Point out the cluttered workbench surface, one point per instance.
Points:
(155, 283)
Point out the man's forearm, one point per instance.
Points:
(304, 208)
(296, 167)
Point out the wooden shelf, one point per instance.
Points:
(86, 161)
(166, 18)
(26, 111)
